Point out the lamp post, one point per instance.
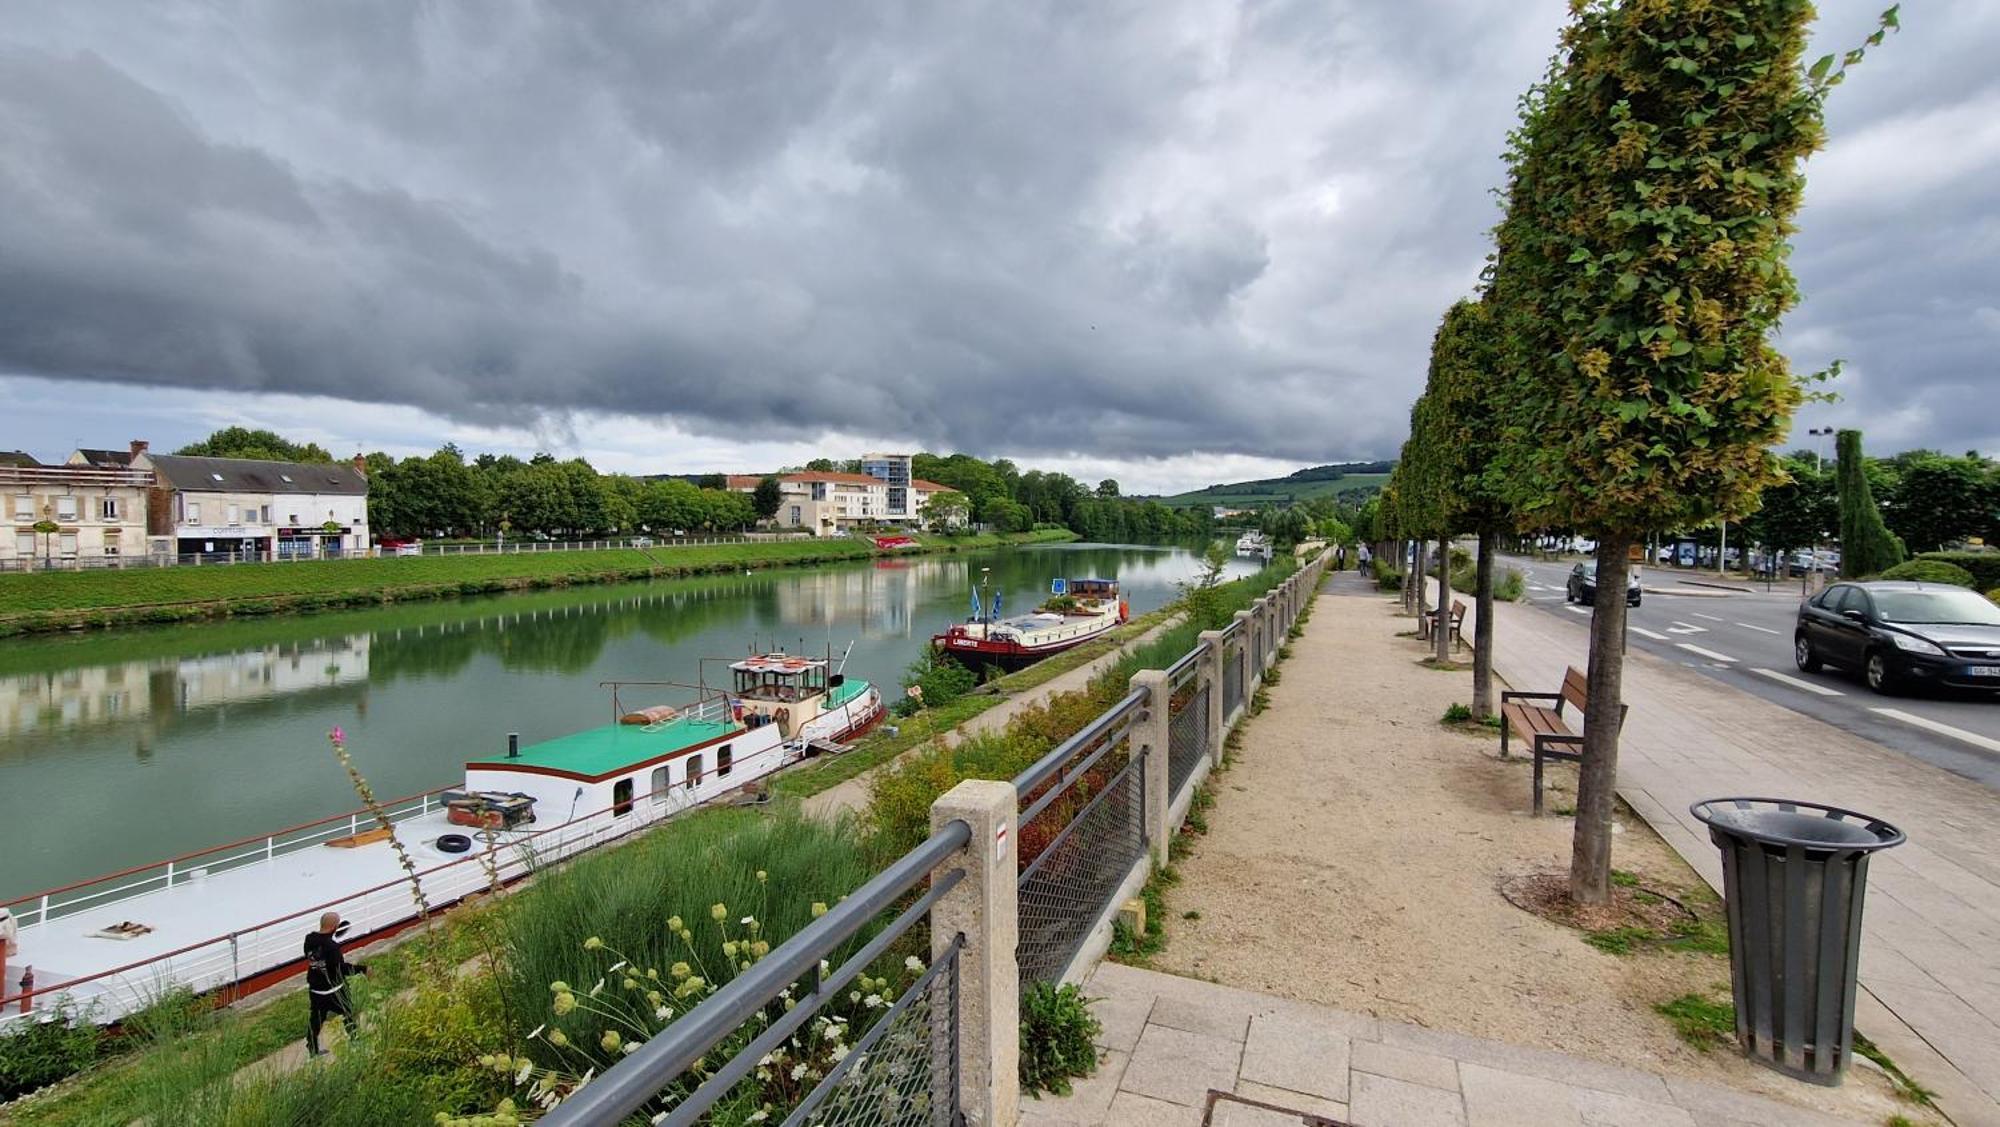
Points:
(1819, 467)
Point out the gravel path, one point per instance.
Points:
(1353, 858)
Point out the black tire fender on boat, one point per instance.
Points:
(454, 843)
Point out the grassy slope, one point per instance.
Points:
(1268, 490)
(62, 600)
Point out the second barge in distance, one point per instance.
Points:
(1077, 611)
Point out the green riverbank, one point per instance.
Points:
(39, 602)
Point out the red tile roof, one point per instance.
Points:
(836, 478)
(922, 486)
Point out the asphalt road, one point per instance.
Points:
(1745, 640)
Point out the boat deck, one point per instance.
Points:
(267, 906)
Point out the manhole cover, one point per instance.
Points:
(1226, 1109)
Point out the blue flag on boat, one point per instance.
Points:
(996, 604)
(975, 602)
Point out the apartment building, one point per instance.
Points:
(71, 515)
(246, 508)
(824, 504)
(893, 470)
(923, 492)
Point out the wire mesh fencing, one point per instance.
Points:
(1187, 735)
(1078, 849)
(904, 1072)
(1232, 677)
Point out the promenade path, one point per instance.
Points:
(1930, 959)
(1374, 985)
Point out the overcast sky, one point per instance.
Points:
(1170, 241)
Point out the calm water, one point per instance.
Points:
(124, 748)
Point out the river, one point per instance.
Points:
(131, 746)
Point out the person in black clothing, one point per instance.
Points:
(326, 978)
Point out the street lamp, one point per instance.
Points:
(1819, 467)
(1818, 432)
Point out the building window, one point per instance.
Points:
(819, 491)
(24, 507)
(24, 545)
(109, 509)
(722, 761)
(694, 772)
(65, 508)
(264, 515)
(66, 543)
(621, 798)
(661, 782)
(235, 515)
(194, 512)
(795, 514)
(110, 548)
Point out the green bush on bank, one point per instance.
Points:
(1984, 567)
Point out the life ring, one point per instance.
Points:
(454, 843)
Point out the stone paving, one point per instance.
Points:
(1930, 960)
(1180, 1053)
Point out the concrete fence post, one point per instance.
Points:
(1266, 614)
(1246, 645)
(983, 908)
(1209, 669)
(1153, 734)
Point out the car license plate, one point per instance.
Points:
(1983, 671)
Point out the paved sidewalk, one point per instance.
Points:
(1174, 1046)
(1930, 960)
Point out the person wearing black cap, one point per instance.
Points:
(326, 978)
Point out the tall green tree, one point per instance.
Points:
(1940, 500)
(1462, 386)
(241, 442)
(768, 498)
(1866, 544)
(1639, 269)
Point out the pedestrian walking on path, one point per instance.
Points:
(327, 971)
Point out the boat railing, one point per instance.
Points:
(221, 961)
(139, 880)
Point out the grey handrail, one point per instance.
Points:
(627, 1086)
(1051, 764)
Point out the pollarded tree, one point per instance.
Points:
(1866, 544)
(1640, 266)
(1429, 497)
(1462, 386)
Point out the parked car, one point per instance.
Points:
(642, 541)
(1583, 585)
(1901, 633)
(402, 547)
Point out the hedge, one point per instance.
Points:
(1984, 566)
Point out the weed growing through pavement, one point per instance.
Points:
(1699, 1020)
(1905, 1087)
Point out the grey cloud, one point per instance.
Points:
(1125, 230)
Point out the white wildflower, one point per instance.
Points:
(872, 1001)
(913, 964)
(662, 1013)
(838, 1053)
(537, 1032)
(527, 1070)
(595, 989)
(617, 966)
(799, 1071)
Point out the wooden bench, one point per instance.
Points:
(1427, 621)
(1546, 729)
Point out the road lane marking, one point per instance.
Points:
(1542, 587)
(1795, 683)
(1973, 738)
(1680, 627)
(1710, 654)
(1641, 630)
(1710, 617)
(1760, 629)
(1576, 609)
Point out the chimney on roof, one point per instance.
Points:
(140, 446)
(361, 465)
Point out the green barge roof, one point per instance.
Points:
(603, 751)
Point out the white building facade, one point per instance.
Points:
(245, 508)
(72, 516)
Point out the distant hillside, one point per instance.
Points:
(1358, 478)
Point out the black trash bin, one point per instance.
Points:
(1793, 878)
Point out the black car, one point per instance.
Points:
(1896, 634)
(1583, 585)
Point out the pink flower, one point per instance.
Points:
(337, 736)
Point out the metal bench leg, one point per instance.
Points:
(1505, 727)
(1538, 782)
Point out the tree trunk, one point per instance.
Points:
(1441, 630)
(1406, 558)
(1597, 780)
(1482, 630)
(1418, 568)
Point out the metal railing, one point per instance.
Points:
(892, 1071)
(1187, 735)
(1082, 828)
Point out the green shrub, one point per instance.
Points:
(39, 1053)
(1510, 585)
(1984, 566)
(1930, 571)
(1058, 1038)
(1994, 595)
(1457, 714)
(1387, 576)
(941, 678)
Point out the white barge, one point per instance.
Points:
(233, 918)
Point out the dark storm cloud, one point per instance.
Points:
(1135, 230)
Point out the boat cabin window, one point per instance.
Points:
(784, 685)
(621, 798)
(722, 761)
(661, 782)
(694, 772)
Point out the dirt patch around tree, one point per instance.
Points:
(1360, 854)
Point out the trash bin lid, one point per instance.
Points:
(1785, 821)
